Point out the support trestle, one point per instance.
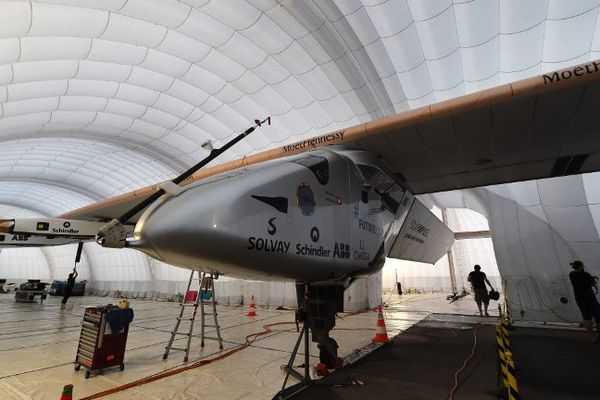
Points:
(317, 307)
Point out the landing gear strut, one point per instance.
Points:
(317, 307)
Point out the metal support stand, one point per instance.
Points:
(309, 318)
(286, 393)
(306, 339)
(290, 364)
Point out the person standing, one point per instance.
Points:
(68, 288)
(583, 287)
(478, 280)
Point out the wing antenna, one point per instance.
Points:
(113, 234)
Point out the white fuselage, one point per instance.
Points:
(323, 215)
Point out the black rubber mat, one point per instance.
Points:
(420, 364)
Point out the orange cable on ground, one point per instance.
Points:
(249, 340)
(177, 370)
(465, 363)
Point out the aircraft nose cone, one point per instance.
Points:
(188, 230)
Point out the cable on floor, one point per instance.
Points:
(179, 369)
(465, 363)
(249, 339)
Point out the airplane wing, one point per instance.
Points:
(542, 127)
(535, 128)
(42, 231)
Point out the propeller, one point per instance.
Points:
(114, 233)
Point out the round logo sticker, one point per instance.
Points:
(305, 198)
(314, 234)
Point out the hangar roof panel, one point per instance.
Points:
(138, 86)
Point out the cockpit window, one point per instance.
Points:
(374, 177)
(382, 186)
(318, 165)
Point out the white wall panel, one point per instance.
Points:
(44, 70)
(480, 62)
(566, 39)
(61, 260)
(573, 223)
(184, 47)
(20, 264)
(99, 71)
(521, 50)
(136, 32)
(267, 35)
(390, 17)
(566, 9)
(119, 270)
(116, 52)
(295, 60)
(446, 73)
(428, 9)
(552, 191)
(404, 49)
(15, 19)
(436, 35)
(416, 82)
(82, 103)
(170, 13)
(517, 15)
(94, 88)
(205, 28)
(473, 23)
(30, 106)
(375, 61)
(11, 211)
(237, 14)
(56, 20)
(54, 48)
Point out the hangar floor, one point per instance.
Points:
(38, 344)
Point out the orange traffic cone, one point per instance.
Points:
(67, 393)
(252, 311)
(380, 332)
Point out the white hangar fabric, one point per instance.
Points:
(538, 228)
(100, 97)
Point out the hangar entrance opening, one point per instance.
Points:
(473, 245)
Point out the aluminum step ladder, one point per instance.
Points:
(207, 289)
(208, 286)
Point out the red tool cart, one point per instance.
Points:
(99, 346)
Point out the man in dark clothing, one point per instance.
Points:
(68, 288)
(583, 287)
(478, 280)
